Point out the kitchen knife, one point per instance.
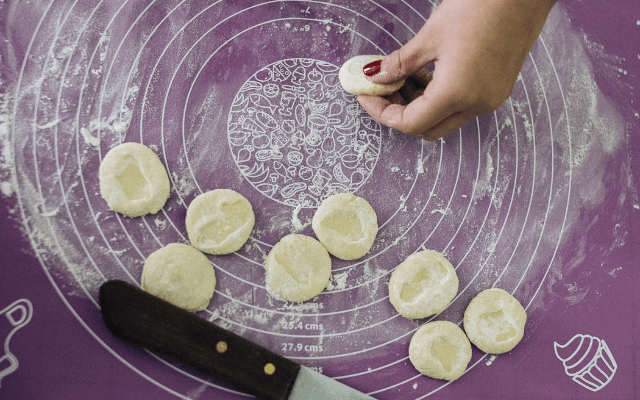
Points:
(144, 320)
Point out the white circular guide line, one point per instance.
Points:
(533, 181)
(30, 233)
(122, 104)
(464, 217)
(163, 119)
(301, 315)
(566, 211)
(77, 136)
(371, 257)
(486, 260)
(459, 292)
(470, 247)
(136, 59)
(455, 186)
(348, 27)
(34, 154)
(551, 183)
(312, 336)
(542, 281)
(201, 69)
(224, 44)
(147, 230)
(67, 263)
(196, 78)
(124, 230)
(505, 220)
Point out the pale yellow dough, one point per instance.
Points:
(133, 181)
(494, 321)
(181, 275)
(298, 268)
(219, 221)
(355, 82)
(423, 285)
(346, 225)
(440, 350)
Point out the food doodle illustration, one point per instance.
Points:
(587, 360)
(297, 137)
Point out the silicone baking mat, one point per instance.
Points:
(538, 198)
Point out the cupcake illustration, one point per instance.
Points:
(587, 360)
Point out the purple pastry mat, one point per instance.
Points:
(60, 359)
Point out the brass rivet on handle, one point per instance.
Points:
(221, 347)
(269, 369)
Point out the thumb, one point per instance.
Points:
(404, 62)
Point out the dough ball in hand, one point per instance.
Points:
(423, 285)
(181, 275)
(133, 181)
(346, 225)
(298, 268)
(219, 221)
(494, 321)
(355, 82)
(440, 350)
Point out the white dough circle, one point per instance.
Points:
(440, 350)
(355, 82)
(346, 225)
(298, 268)
(494, 321)
(423, 285)
(181, 275)
(133, 181)
(219, 221)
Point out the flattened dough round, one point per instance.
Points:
(494, 321)
(440, 350)
(219, 221)
(298, 268)
(181, 275)
(422, 285)
(133, 181)
(346, 225)
(354, 81)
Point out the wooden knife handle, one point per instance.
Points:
(144, 320)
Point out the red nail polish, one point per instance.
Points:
(373, 68)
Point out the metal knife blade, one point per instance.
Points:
(311, 385)
(144, 320)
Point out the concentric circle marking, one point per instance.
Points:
(494, 197)
(297, 137)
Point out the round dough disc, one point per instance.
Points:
(494, 321)
(298, 268)
(346, 225)
(181, 275)
(355, 82)
(422, 285)
(133, 181)
(219, 221)
(440, 350)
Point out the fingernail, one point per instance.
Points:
(373, 68)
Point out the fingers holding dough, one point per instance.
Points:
(355, 82)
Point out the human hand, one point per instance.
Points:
(478, 48)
